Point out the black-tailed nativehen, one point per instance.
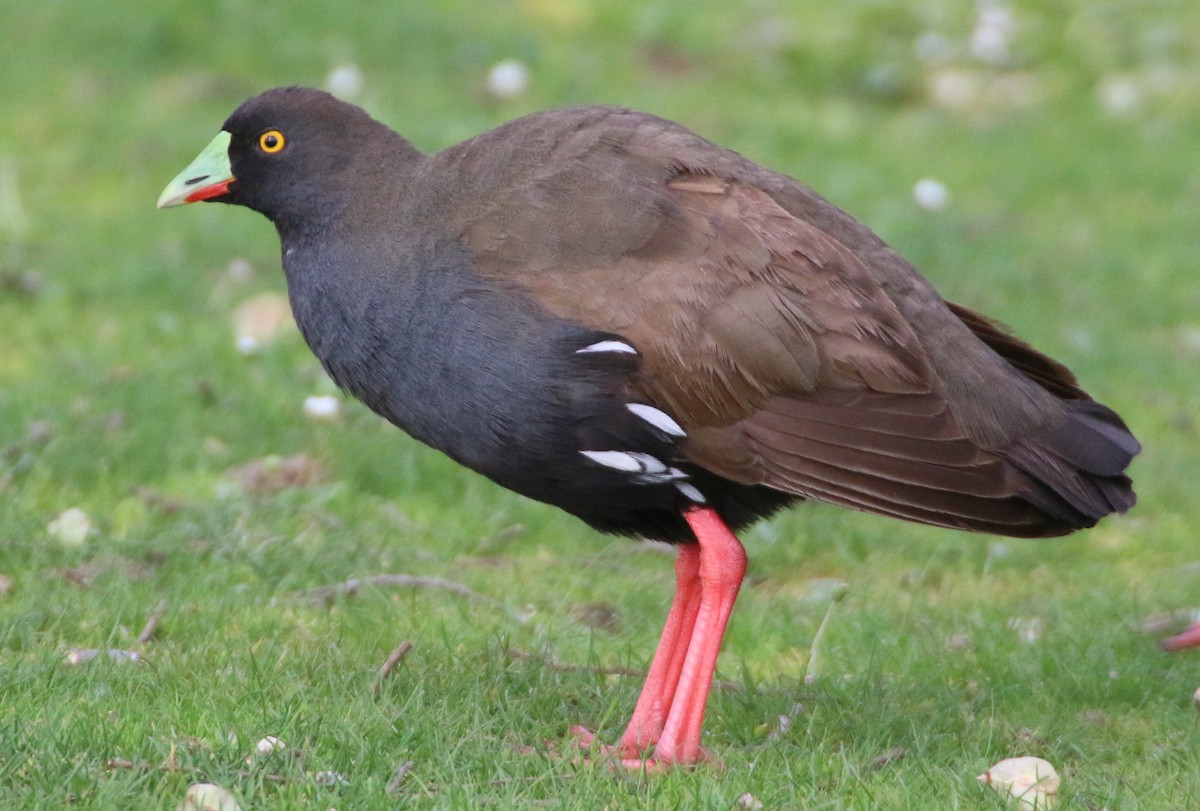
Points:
(603, 311)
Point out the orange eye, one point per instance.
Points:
(271, 141)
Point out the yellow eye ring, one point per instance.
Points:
(271, 141)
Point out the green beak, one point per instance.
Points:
(206, 177)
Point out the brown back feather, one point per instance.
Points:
(796, 349)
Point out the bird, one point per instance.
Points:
(601, 310)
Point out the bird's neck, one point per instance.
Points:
(364, 189)
(350, 297)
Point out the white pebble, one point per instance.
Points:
(71, 527)
(930, 194)
(345, 82)
(208, 797)
(269, 745)
(322, 407)
(508, 79)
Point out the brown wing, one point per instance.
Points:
(796, 349)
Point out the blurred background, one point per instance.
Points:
(165, 434)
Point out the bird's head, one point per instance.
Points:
(289, 153)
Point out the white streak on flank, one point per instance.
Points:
(646, 469)
(617, 460)
(649, 469)
(608, 346)
(658, 418)
(649, 463)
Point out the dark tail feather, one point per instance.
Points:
(1077, 467)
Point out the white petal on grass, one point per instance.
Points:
(931, 194)
(508, 79)
(322, 407)
(71, 527)
(1031, 781)
(208, 797)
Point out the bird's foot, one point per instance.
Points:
(628, 757)
(1188, 639)
(586, 740)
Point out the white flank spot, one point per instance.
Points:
(689, 491)
(649, 464)
(650, 469)
(658, 418)
(617, 460)
(608, 346)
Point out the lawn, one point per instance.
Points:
(224, 516)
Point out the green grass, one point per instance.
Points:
(121, 393)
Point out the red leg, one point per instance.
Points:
(650, 715)
(722, 568)
(1188, 639)
(670, 710)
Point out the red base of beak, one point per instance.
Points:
(209, 192)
